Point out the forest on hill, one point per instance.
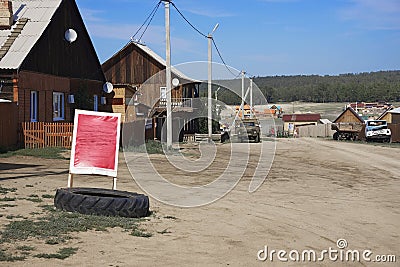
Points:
(367, 87)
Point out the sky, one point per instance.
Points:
(261, 37)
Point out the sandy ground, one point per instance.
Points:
(318, 191)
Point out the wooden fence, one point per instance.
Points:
(45, 134)
(8, 125)
(320, 130)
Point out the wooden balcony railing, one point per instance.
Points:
(177, 102)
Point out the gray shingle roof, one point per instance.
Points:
(15, 44)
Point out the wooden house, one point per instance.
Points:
(349, 115)
(391, 115)
(137, 68)
(291, 121)
(48, 64)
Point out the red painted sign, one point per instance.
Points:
(95, 143)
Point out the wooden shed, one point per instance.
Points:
(349, 115)
(291, 121)
(391, 115)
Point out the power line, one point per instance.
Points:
(191, 25)
(154, 13)
(151, 15)
(202, 34)
(223, 61)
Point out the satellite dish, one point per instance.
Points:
(108, 87)
(175, 82)
(70, 35)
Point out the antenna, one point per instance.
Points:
(108, 87)
(70, 35)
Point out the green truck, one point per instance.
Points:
(248, 129)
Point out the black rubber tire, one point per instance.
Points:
(98, 201)
(335, 136)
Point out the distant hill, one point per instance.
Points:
(368, 87)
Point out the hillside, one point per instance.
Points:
(368, 87)
(372, 86)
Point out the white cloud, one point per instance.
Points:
(92, 15)
(373, 14)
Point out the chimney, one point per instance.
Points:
(6, 15)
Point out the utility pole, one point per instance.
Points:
(209, 115)
(251, 97)
(242, 104)
(168, 74)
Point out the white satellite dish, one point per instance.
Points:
(108, 87)
(70, 35)
(175, 82)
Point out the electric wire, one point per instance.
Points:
(150, 20)
(151, 15)
(202, 34)
(222, 59)
(191, 25)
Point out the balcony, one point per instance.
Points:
(177, 103)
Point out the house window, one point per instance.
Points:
(58, 106)
(34, 106)
(95, 103)
(163, 93)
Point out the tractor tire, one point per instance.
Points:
(106, 202)
(335, 136)
(257, 139)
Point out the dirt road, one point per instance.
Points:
(318, 191)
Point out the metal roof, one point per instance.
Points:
(39, 14)
(312, 117)
(396, 110)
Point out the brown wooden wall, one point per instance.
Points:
(8, 125)
(395, 118)
(395, 129)
(53, 55)
(132, 66)
(347, 116)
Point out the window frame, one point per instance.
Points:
(59, 99)
(95, 103)
(34, 106)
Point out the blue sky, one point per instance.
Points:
(262, 37)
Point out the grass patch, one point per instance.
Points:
(48, 207)
(62, 254)
(141, 233)
(7, 205)
(8, 257)
(10, 217)
(57, 225)
(47, 196)
(34, 199)
(25, 248)
(28, 185)
(47, 152)
(4, 190)
(151, 147)
(7, 199)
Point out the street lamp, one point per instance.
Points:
(210, 38)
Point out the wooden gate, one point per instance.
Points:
(44, 134)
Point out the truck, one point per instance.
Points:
(377, 130)
(248, 129)
(346, 130)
